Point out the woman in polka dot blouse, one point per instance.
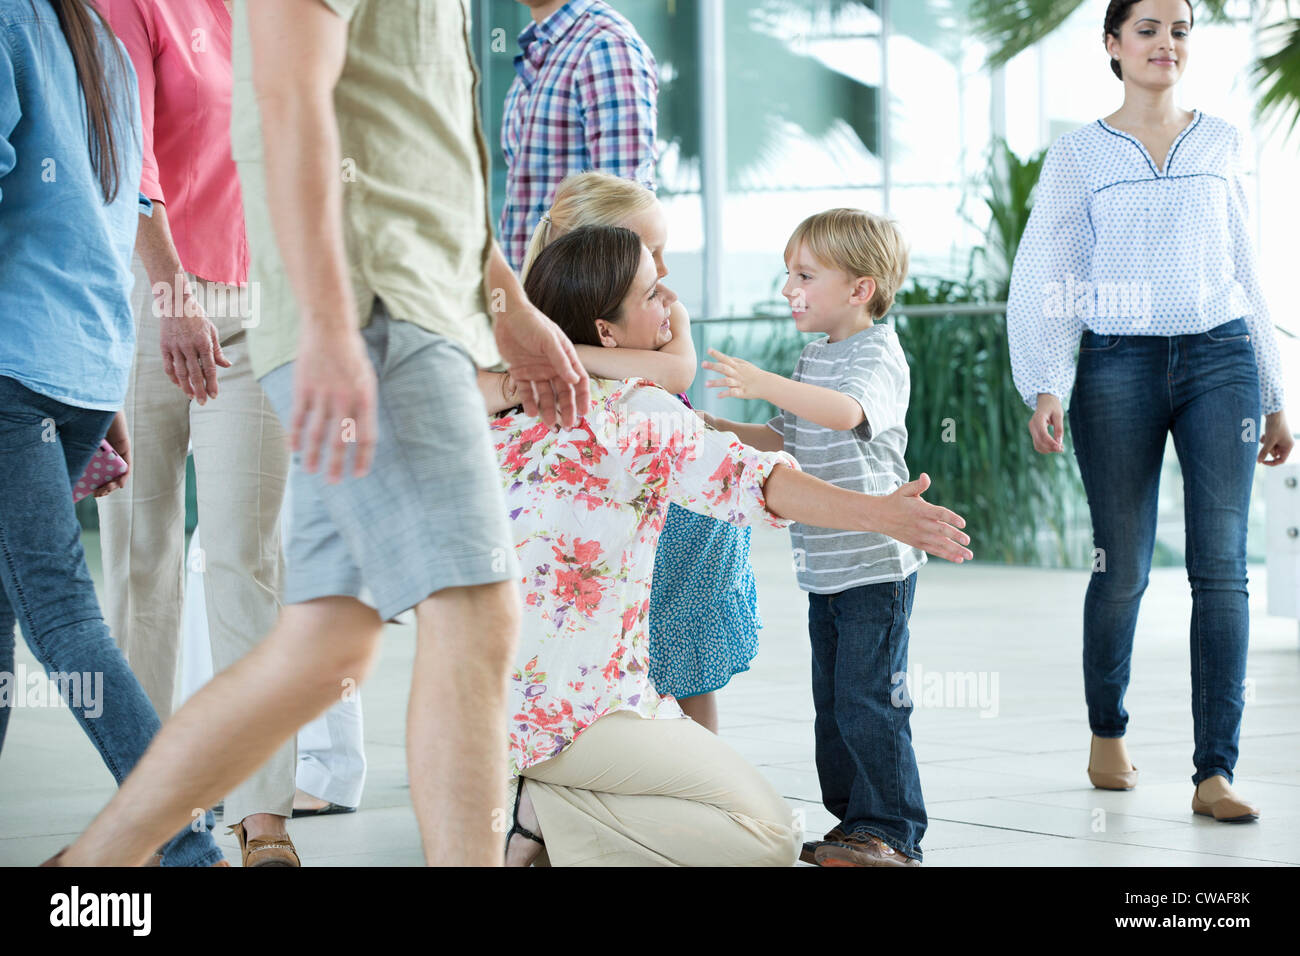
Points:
(1138, 253)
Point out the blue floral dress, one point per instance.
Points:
(704, 618)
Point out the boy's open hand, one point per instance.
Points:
(741, 379)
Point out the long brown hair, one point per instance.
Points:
(584, 276)
(77, 21)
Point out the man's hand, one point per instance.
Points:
(191, 350)
(544, 367)
(334, 400)
(741, 379)
(120, 439)
(1276, 444)
(1049, 413)
(906, 517)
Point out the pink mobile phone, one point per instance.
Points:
(103, 468)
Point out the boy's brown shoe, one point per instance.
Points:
(809, 852)
(861, 849)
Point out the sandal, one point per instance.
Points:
(516, 827)
(261, 852)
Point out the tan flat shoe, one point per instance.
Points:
(1110, 779)
(1124, 780)
(262, 852)
(1227, 809)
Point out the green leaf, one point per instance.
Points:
(1010, 27)
(1277, 75)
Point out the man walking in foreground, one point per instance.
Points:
(363, 170)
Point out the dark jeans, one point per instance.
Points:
(865, 763)
(44, 448)
(1131, 391)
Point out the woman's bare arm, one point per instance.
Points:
(902, 515)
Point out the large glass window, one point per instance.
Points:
(938, 132)
(671, 29)
(803, 132)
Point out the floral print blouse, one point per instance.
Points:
(587, 505)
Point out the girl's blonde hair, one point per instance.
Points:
(587, 199)
(859, 243)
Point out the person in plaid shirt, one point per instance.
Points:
(585, 97)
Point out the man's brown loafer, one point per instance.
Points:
(263, 852)
(809, 852)
(861, 849)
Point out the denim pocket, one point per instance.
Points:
(1235, 330)
(1092, 342)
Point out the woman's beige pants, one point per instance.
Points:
(636, 792)
(241, 458)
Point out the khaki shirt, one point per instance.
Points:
(415, 209)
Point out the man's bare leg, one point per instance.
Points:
(231, 727)
(456, 743)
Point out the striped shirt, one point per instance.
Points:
(1120, 246)
(585, 97)
(870, 367)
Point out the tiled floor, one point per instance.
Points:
(1003, 774)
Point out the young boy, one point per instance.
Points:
(843, 420)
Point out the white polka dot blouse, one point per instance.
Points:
(1120, 246)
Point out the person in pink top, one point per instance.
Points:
(192, 384)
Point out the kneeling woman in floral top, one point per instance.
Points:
(614, 773)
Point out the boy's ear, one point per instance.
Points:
(864, 289)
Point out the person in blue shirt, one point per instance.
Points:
(1138, 253)
(70, 158)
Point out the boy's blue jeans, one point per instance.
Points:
(865, 763)
(1130, 393)
(45, 446)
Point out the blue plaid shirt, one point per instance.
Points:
(585, 97)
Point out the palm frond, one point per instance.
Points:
(1277, 75)
(1011, 27)
(1010, 196)
(1218, 11)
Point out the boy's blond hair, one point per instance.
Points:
(859, 243)
(587, 199)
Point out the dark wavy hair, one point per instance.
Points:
(584, 276)
(1117, 15)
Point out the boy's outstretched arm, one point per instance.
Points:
(758, 436)
(822, 406)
